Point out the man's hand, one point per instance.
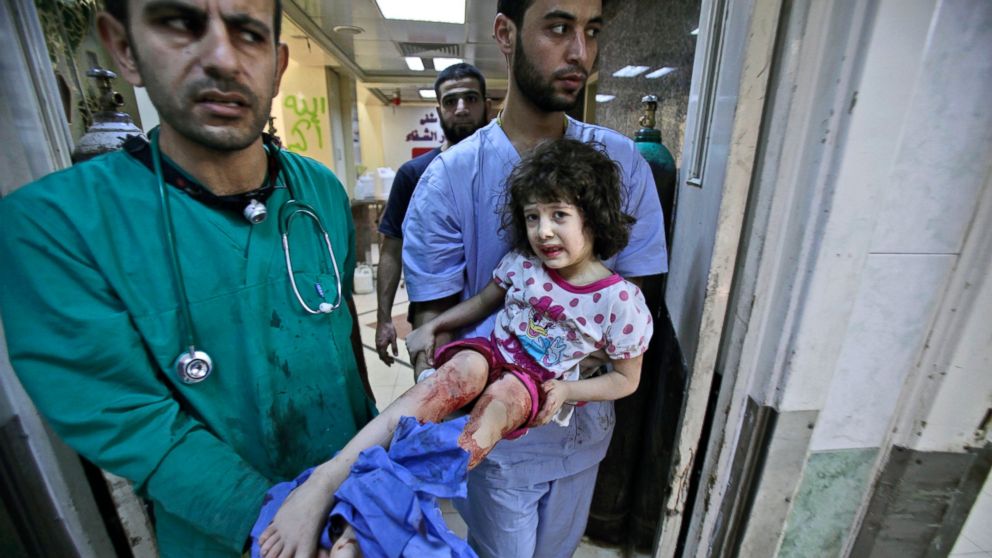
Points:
(427, 311)
(420, 344)
(385, 336)
(555, 395)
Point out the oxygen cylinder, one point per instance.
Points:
(110, 127)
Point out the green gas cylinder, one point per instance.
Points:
(659, 158)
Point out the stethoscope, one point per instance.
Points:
(193, 365)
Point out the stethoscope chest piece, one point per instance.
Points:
(194, 366)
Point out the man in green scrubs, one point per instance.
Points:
(94, 316)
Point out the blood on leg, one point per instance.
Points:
(456, 383)
(503, 407)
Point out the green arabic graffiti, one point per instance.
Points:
(306, 120)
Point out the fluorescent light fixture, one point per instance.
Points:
(427, 93)
(630, 71)
(600, 98)
(348, 29)
(443, 11)
(442, 63)
(660, 72)
(694, 31)
(414, 63)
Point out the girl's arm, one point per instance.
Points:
(619, 383)
(464, 313)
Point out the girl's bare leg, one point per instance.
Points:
(295, 528)
(503, 408)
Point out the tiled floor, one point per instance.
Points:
(388, 382)
(976, 537)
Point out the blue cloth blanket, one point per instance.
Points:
(390, 498)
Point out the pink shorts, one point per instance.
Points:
(530, 374)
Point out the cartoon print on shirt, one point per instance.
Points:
(543, 340)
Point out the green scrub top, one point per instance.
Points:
(92, 321)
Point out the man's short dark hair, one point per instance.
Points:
(118, 9)
(459, 71)
(514, 9)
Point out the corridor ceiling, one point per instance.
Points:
(375, 55)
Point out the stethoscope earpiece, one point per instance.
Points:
(255, 212)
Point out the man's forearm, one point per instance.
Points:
(388, 280)
(430, 309)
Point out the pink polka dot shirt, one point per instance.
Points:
(559, 324)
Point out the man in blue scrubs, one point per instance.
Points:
(89, 289)
(462, 108)
(531, 496)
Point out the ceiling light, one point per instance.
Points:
(348, 29)
(600, 98)
(443, 11)
(427, 93)
(630, 71)
(660, 72)
(442, 63)
(694, 31)
(414, 63)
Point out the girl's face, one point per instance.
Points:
(558, 235)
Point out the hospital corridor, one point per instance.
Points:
(805, 203)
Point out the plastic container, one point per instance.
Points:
(365, 187)
(363, 279)
(384, 182)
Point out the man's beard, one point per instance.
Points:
(539, 91)
(457, 132)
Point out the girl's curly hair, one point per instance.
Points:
(567, 170)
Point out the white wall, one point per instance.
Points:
(956, 383)
(927, 81)
(861, 305)
(370, 116)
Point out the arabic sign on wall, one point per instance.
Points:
(407, 128)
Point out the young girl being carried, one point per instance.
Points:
(563, 313)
